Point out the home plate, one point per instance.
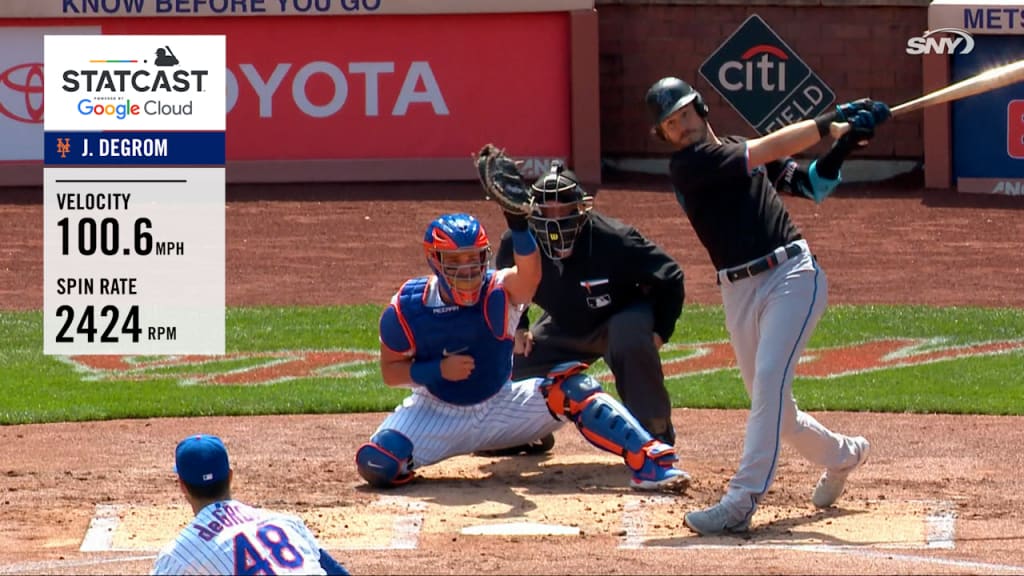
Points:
(520, 529)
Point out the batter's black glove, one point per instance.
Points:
(863, 112)
(862, 130)
(879, 110)
(502, 181)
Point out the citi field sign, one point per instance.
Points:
(764, 79)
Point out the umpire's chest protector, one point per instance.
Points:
(479, 331)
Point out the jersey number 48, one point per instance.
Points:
(250, 561)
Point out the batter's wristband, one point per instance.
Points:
(426, 372)
(523, 242)
(824, 121)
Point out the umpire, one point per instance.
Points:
(606, 291)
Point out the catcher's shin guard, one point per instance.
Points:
(602, 419)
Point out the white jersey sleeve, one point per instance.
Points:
(230, 537)
(167, 563)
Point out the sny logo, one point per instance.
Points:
(63, 147)
(959, 40)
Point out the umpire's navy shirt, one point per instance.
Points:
(605, 249)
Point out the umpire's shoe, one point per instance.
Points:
(541, 446)
(715, 520)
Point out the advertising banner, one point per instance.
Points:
(988, 147)
(21, 88)
(1002, 17)
(344, 88)
(229, 8)
(764, 79)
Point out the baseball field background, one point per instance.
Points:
(920, 350)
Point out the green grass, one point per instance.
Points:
(38, 388)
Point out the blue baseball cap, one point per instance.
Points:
(201, 459)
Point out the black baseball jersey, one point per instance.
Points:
(736, 212)
(611, 266)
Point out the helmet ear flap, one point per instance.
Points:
(700, 106)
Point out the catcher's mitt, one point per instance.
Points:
(502, 180)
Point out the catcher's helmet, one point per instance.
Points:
(559, 210)
(458, 251)
(670, 94)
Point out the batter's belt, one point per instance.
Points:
(762, 264)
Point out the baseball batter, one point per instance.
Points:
(449, 337)
(227, 536)
(772, 288)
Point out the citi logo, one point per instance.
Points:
(762, 67)
(959, 41)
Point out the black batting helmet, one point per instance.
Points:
(560, 209)
(670, 94)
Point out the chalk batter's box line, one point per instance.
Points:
(940, 531)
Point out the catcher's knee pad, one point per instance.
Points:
(386, 460)
(602, 419)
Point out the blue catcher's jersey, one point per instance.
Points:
(419, 323)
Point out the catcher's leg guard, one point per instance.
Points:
(606, 423)
(386, 460)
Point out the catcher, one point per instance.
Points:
(449, 337)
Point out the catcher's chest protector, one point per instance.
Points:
(440, 330)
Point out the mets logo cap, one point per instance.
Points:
(201, 459)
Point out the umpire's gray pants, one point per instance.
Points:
(626, 343)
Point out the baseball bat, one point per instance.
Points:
(978, 84)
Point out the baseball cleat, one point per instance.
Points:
(832, 483)
(715, 520)
(660, 478)
(658, 472)
(539, 446)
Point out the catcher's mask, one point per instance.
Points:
(458, 252)
(559, 210)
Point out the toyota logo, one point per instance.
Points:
(26, 82)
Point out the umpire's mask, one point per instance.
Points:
(560, 209)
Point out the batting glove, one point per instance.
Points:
(846, 111)
(880, 111)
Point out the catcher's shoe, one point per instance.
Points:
(658, 473)
(832, 483)
(715, 520)
(540, 446)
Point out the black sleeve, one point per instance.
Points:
(660, 277)
(708, 167)
(789, 177)
(506, 259)
(730, 159)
